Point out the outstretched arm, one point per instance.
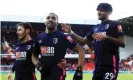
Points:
(82, 41)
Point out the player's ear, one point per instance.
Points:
(109, 13)
(27, 31)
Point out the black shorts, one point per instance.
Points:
(105, 73)
(25, 76)
(56, 74)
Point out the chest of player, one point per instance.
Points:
(49, 41)
(106, 29)
(51, 45)
(23, 52)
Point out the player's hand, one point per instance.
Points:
(45, 70)
(39, 66)
(78, 74)
(66, 28)
(62, 63)
(99, 36)
(10, 75)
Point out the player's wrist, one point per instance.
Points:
(107, 37)
(71, 32)
(79, 68)
(38, 66)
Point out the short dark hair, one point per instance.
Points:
(105, 7)
(54, 14)
(25, 25)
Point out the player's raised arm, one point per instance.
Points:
(67, 28)
(119, 40)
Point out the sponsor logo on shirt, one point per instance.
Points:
(103, 33)
(47, 51)
(20, 55)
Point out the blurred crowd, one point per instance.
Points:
(73, 63)
(9, 38)
(7, 48)
(127, 64)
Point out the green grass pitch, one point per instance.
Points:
(86, 76)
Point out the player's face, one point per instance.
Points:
(51, 21)
(102, 15)
(21, 32)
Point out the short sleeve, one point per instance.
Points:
(69, 42)
(89, 35)
(118, 29)
(36, 48)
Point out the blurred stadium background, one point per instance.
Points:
(9, 38)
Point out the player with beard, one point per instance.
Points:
(52, 45)
(107, 37)
(23, 67)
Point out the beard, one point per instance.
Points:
(23, 38)
(51, 28)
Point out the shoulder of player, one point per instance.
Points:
(95, 26)
(30, 42)
(61, 34)
(114, 22)
(17, 44)
(39, 36)
(65, 36)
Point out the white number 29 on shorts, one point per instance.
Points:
(108, 76)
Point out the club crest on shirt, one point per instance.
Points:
(40, 41)
(96, 29)
(28, 47)
(55, 40)
(16, 48)
(106, 26)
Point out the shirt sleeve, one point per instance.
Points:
(118, 29)
(36, 48)
(89, 35)
(70, 42)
